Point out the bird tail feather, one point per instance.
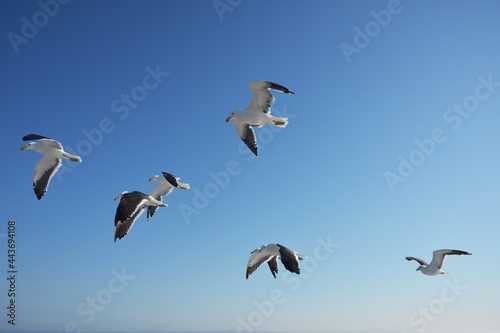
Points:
(302, 256)
(280, 122)
(72, 158)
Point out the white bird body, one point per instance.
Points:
(438, 257)
(166, 184)
(46, 168)
(51, 148)
(270, 253)
(258, 112)
(255, 118)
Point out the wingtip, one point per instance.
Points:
(253, 149)
(30, 137)
(39, 195)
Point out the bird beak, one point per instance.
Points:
(229, 118)
(24, 147)
(116, 198)
(150, 179)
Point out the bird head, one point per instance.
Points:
(119, 196)
(30, 145)
(231, 116)
(155, 178)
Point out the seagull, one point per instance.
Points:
(258, 112)
(130, 208)
(46, 168)
(438, 256)
(166, 182)
(269, 253)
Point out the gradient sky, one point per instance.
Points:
(392, 149)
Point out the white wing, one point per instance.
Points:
(246, 133)
(51, 144)
(258, 258)
(45, 169)
(262, 99)
(439, 256)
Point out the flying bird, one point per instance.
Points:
(130, 208)
(269, 253)
(257, 113)
(438, 256)
(46, 168)
(166, 184)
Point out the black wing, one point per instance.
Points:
(128, 210)
(248, 137)
(289, 259)
(279, 87)
(171, 179)
(30, 137)
(151, 210)
(122, 228)
(128, 205)
(273, 265)
(420, 261)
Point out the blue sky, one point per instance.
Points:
(391, 150)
